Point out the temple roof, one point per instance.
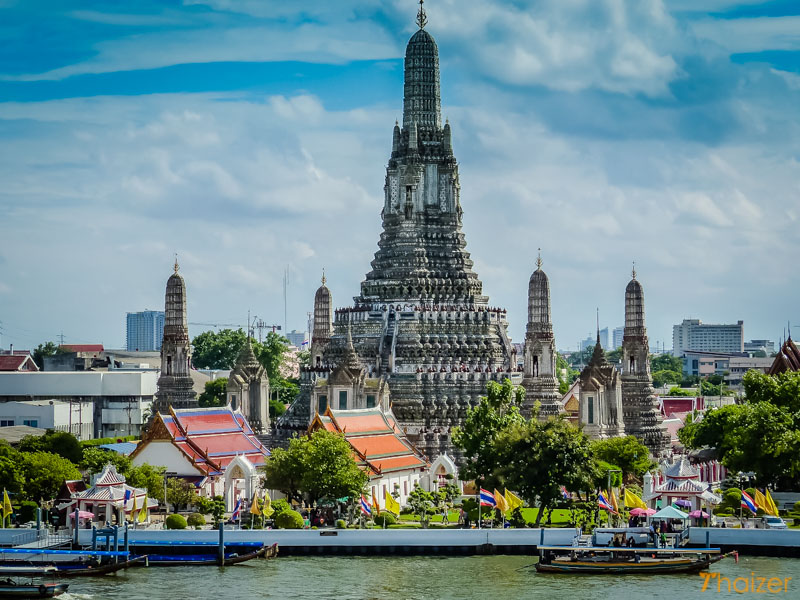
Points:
(378, 444)
(210, 437)
(634, 307)
(787, 359)
(681, 469)
(539, 295)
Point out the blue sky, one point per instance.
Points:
(252, 135)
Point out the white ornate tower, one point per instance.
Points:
(639, 402)
(323, 323)
(248, 389)
(175, 382)
(540, 382)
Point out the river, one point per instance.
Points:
(416, 578)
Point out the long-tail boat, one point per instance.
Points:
(233, 558)
(605, 560)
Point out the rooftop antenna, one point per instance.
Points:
(422, 18)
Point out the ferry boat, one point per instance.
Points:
(605, 560)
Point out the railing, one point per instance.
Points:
(27, 537)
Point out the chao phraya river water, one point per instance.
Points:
(413, 578)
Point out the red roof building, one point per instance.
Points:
(379, 447)
(213, 448)
(787, 359)
(17, 361)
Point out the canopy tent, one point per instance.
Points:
(698, 514)
(670, 512)
(642, 512)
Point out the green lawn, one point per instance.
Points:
(559, 518)
(452, 517)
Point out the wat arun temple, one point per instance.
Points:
(421, 322)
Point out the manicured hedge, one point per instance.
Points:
(176, 522)
(289, 519)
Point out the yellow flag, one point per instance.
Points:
(761, 501)
(633, 501)
(7, 510)
(133, 508)
(254, 510)
(392, 505)
(375, 506)
(143, 511)
(613, 500)
(267, 509)
(513, 501)
(502, 505)
(773, 510)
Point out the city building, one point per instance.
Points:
(175, 384)
(297, 338)
(694, 335)
(739, 365)
(704, 364)
(212, 448)
(639, 401)
(588, 343)
(76, 417)
(539, 379)
(76, 357)
(144, 330)
(421, 318)
(767, 347)
(617, 335)
(121, 400)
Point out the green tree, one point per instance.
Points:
(422, 504)
(535, 458)
(215, 393)
(62, 443)
(180, 493)
(761, 435)
(284, 469)
(11, 472)
(666, 362)
(148, 477)
(276, 408)
(663, 377)
(676, 391)
(565, 373)
(626, 453)
(95, 459)
(496, 411)
(271, 353)
(44, 350)
(45, 473)
(329, 469)
(614, 356)
(217, 349)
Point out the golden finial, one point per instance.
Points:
(539, 260)
(323, 276)
(422, 18)
(176, 263)
(633, 270)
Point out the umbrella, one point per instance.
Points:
(85, 514)
(643, 512)
(670, 512)
(698, 514)
(683, 503)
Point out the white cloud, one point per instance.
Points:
(751, 34)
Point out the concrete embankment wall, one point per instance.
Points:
(763, 542)
(369, 541)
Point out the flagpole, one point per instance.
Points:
(479, 507)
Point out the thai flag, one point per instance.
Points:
(748, 502)
(565, 493)
(487, 498)
(604, 504)
(237, 510)
(366, 509)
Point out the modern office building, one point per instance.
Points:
(694, 335)
(145, 330)
(765, 346)
(296, 338)
(616, 337)
(604, 339)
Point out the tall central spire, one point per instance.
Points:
(422, 101)
(422, 18)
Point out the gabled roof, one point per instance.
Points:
(788, 359)
(209, 437)
(378, 443)
(681, 469)
(17, 362)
